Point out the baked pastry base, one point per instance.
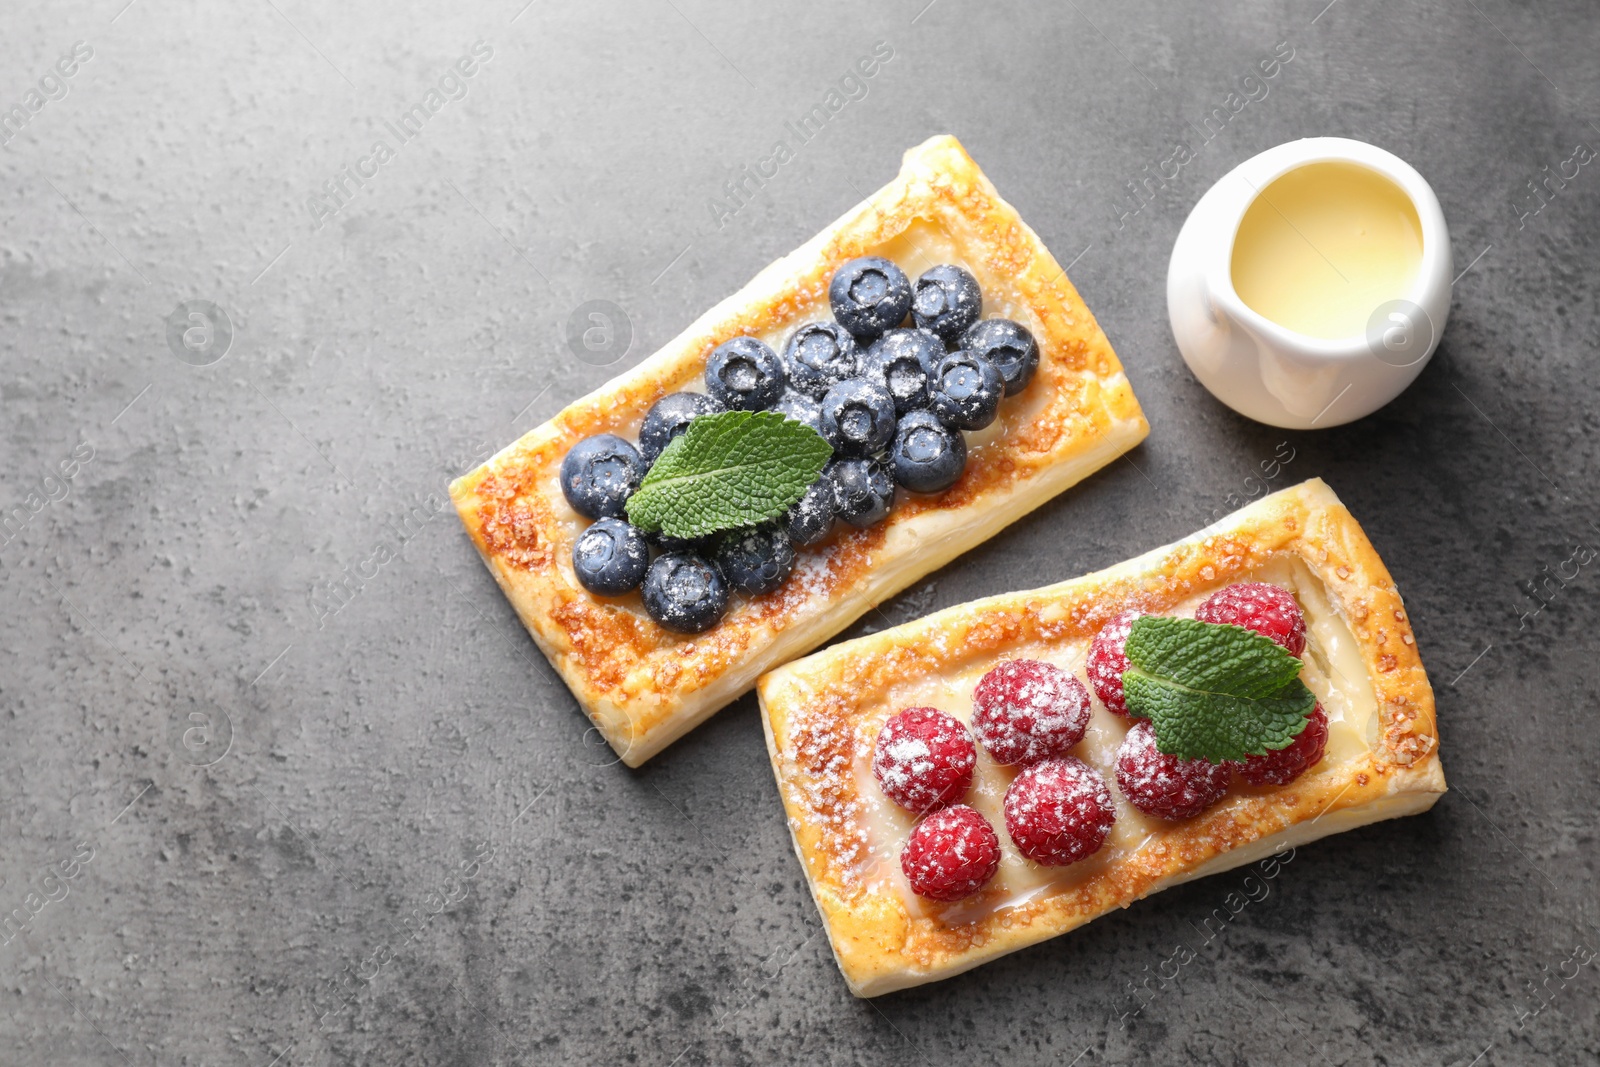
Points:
(644, 686)
(821, 715)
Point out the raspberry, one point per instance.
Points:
(1059, 811)
(951, 854)
(1266, 609)
(1166, 786)
(1287, 764)
(923, 759)
(1107, 661)
(1025, 711)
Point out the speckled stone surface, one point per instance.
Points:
(266, 824)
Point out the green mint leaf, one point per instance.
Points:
(1217, 657)
(1214, 691)
(1193, 723)
(732, 469)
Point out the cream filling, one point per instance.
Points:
(1333, 671)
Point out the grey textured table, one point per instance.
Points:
(251, 821)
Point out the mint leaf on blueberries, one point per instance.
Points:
(1213, 690)
(731, 469)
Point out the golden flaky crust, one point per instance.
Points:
(820, 710)
(643, 686)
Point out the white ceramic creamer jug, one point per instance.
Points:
(1314, 376)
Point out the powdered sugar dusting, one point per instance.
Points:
(823, 745)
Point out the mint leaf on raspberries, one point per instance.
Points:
(728, 470)
(1213, 691)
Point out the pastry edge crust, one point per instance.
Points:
(1402, 775)
(664, 697)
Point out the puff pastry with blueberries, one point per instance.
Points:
(628, 658)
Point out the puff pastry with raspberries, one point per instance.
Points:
(927, 855)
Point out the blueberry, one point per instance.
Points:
(818, 357)
(800, 408)
(927, 456)
(664, 543)
(812, 515)
(858, 417)
(756, 560)
(599, 474)
(684, 593)
(869, 295)
(610, 557)
(947, 301)
(1009, 346)
(863, 490)
(967, 391)
(669, 417)
(903, 362)
(745, 375)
